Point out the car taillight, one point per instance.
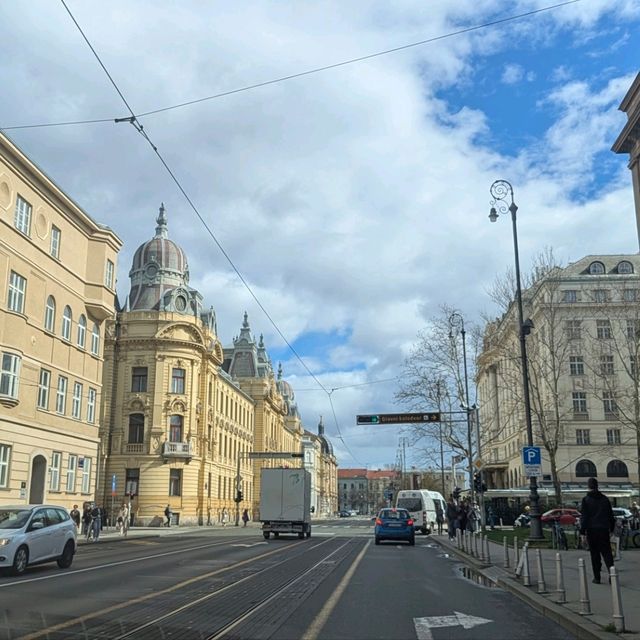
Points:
(379, 522)
(410, 521)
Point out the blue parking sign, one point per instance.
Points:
(531, 455)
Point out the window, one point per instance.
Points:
(67, 318)
(573, 329)
(82, 331)
(22, 218)
(609, 404)
(630, 295)
(54, 471)
(177, 380)
(175, 428)
(600, 295)
(576, 365)
(5, 456)
(583, 436)
(71, 472)
(579, 402)
(54, 247)
(586, 469)
(43, 389)
(139, 379)
(175, 482)
(624, 266)
(76, 402)
(617, 469)
(633, 329)
(61, 395)
(17, 287)
(132, 482)
(570, 295)
(108, 275)
(50, 314)
(596, 268)
(136, 428)
(606, 365)
(95, 340)
(91, 405)
(603, 329)
(85, 465)
(613, 436)
(9, 375)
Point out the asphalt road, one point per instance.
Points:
(231, 583)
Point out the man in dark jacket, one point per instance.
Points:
(597, 522)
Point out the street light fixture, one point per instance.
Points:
(500, 190)
(456, 321)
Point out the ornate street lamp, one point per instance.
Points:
(456, 321)
(500, 190)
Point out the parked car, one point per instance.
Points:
(344, 514)
(32, 534)
(567, 517)
(622, 513)
(394, 524)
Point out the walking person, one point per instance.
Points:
(225, 516)
(86, 518)
(168, 514)
(75, 515)
(597, 523)
(439, 518)
(452, 517)
(123, 520)
(96, 522)
(245, 517)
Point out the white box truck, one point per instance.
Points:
(285, 502)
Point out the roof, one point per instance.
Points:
(352, 473)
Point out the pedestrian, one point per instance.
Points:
(439, 518)
(225, 516)
(86, 518)
(597, 523)
(75, 515)
(123, 520)
(168, 514)
(96, 521)
(452, 517)
(463, 512)
(245, 517)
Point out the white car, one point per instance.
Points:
(31, 534)
(621, 512)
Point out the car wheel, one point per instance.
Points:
(65, 560)
(636, 539)
(301, 535)
(412, 541)
(377, 540)
(20, 561)
(424, 531)
(266, 535)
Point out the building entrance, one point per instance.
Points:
(38, 474)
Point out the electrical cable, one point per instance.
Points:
(293, 75)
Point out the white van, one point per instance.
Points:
(421, 504)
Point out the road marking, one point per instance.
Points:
(314, 629)
(424, 625)
(249, 545)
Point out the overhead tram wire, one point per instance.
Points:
(140, 129)
(293, 76)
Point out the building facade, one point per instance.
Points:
(57, 290)
(584, 384)
(321, 463)
(366, 491)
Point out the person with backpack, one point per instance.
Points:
(597, 523)
(168, 514)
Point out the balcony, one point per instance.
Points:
(183, 450)
(134, 447)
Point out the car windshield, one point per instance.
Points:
(13, 518)
(391, 514)
(410, 504)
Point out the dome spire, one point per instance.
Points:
(320, 427)
(279, 370)
(161, 220)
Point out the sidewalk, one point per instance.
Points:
(598, 625)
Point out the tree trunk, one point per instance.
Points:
(555, 478)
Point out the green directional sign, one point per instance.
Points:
(399, 418)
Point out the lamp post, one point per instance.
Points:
(500, 190)
(456, 321)
(438, 384)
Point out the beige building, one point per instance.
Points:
(321, 463)
(583, 352)
(57, 288)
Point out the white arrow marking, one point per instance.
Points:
(424, 625)
(248, 545)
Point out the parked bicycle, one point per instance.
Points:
(558, 536)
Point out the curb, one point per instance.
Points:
(580, 626)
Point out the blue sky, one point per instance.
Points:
(353, 201)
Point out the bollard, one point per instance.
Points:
(505, 544)
(465, 542)
(560, 590)
(481, 554)
(618, 615)
(477, 553)
(516, 553)
(542, 587)
(526, 576)
(618, 555)
(458, 539)
(585, 604)
(487, 553)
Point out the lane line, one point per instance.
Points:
(149, 596)
(314, 629)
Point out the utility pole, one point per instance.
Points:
(438, 383)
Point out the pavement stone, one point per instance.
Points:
(595, 626)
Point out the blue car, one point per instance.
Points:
(394, 524)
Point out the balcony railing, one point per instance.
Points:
(177, 450)
(137, 447)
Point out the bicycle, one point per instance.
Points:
(558, 536)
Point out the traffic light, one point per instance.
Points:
(238, 497)
(456, 493)
(478, 485)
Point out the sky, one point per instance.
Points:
(353, 201)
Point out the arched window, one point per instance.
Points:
(50, 314)
(586, 469)
(617, 469)
(95, 340)
(136, 428)
(596, 268)
(82, 331)
(67, 317)
(175, 428)
(624, 266)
